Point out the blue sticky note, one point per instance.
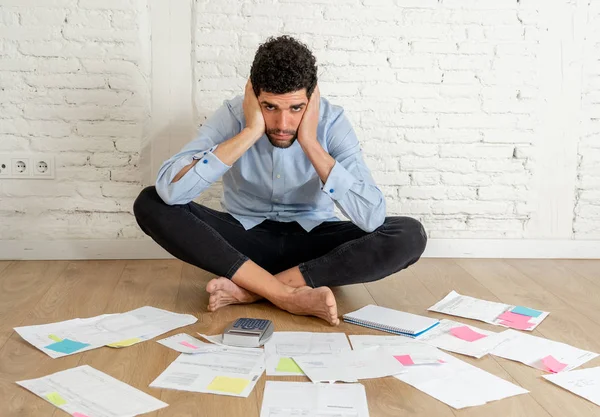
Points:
(525, 311)
(67, 346)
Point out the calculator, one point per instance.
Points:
(247, 332)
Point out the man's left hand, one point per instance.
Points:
(307, 131)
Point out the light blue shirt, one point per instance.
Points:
(274, 183)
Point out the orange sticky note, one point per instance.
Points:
(466, 333)
(405, 360)
(552, 364)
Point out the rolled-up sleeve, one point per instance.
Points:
(221, 126)
(350, 183)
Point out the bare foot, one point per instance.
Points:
(224, 292)
(307, 301)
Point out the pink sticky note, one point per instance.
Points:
(514, 318)
(441, 361)
(518, 326)
(552, 364)
(405, 360)
(466, 333)
(186, 344)
(79, 415)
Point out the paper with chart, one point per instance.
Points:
(117, 330)
(87, 392)
(349, 366)
(583, 382)
(460, 338)
(305, 399)
(451, 381)
(185, 343)
(541, 353)
(506, 315)
(225, 371)
(408, 352)
(283, 345)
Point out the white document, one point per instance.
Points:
(452, 382)
(303, 399)
(85, 391)
(441, 337)
(226, 371)
(78, 335)
(584, 382)
(283, 345)
(531, 350)
(399, 346)
(349, 366)
(185, 343)
(458, 305)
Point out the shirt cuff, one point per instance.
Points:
(338, 182)
(210, 168)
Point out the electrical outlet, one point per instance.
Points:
(26, 166)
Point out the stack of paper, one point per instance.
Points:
(585, 383)
(515, 317)
(282, 346)
(460, 338)
(117, 330)
(87, 392)
(453, 382)
(540, 353)
(225, 371)
(349, 366)
(291, 399)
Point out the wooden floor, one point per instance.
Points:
(37, 292)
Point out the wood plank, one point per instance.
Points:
(564, 324)
(587, 268)
(5, 264)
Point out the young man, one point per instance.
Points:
(286, 156)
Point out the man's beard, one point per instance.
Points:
(279, 144)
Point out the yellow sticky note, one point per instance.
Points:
(126, 342)
(227, 384)
(55, 338)
(288, 365)
(56, 399)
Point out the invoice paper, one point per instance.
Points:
(283, 345)
(225, 371)
(583, 382)
(304, 399)
(85, 391)
(516, 317)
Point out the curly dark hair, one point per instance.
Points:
(283, 65)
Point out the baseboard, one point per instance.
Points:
(436, 248)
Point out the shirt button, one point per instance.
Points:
(331, 190)
(205, 161)
(278, 176)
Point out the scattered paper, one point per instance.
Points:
(531, 350)
(349, 366)
(118, 330)
(225, 371)
(525, 311)
(584, 382)
(452, 382)
(304, 399)
(552, 364)
(187, 344)
(442, 337)
(285, 345)
(466, 333)
(87, 392)
(405, 360)
(400, 346)
(455, 304)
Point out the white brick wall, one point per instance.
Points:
(586, 224)
(445, 97)
(73, 86)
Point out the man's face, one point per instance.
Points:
(283, 114)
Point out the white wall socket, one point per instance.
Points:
(26, 166)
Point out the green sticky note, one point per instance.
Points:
(56, 399)
(288, 365)
(227, 384)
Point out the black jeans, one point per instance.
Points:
(332, 254)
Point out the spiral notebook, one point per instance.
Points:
(392, 321)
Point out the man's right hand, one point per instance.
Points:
(254, 117)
